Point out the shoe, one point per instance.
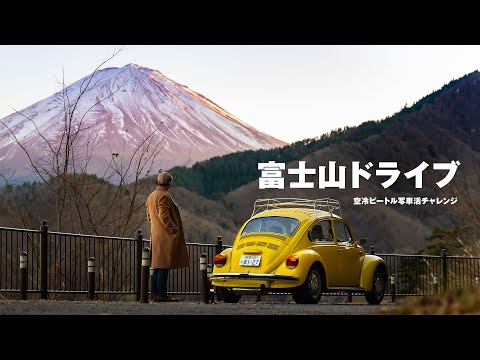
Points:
(165, 299)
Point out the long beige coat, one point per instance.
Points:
(169, 250)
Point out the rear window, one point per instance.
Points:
(272, 224)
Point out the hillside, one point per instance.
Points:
(203, 219)
(441, 127)
(28, 204)
(239, 168)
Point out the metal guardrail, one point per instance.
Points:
(429, 275)
(57, 263)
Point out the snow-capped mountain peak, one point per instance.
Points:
(118, 110)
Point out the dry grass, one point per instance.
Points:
(454, 302)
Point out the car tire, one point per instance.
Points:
(310, 291)
(375, 296)
(228, 296)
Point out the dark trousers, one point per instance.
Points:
(159, 282)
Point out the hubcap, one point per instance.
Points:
(314, 284)
(378, 285)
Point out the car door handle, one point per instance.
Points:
(340, 251)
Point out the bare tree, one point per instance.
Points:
(109, 204)
(465, 188)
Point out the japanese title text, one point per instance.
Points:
(272, 178)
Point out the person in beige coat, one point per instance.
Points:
(169, 250)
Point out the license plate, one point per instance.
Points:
(250, 260)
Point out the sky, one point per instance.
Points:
(290, 92)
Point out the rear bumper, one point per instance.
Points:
(248, 276)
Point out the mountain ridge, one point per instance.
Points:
(194, 178)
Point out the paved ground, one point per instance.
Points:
(42, 307)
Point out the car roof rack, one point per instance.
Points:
(325, 204)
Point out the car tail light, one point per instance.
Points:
(292, 261)
(219, 260)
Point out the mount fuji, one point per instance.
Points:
(120, 109)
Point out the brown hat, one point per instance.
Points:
(164, 178)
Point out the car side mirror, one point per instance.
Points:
(363, 241)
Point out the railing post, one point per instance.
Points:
(203, 278)
(435, 284)
(138, 260)
(44, 260)
(91, 278)
(393, 287)
(219, 247)
(211, 291)
(444, 270)
(218, 250)
(349, 296)
(372, 250)
(151, 283)
(145, 274)
(23, 276)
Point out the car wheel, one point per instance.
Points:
(228, 296)
(375, 296)
(310, 291)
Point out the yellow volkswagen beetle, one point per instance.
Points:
(299, 246)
